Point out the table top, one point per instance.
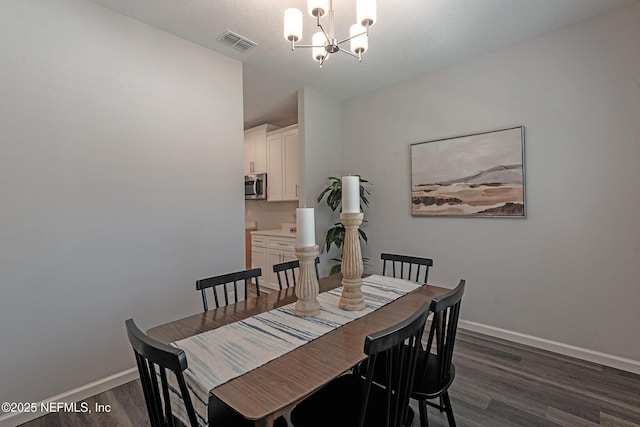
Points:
(276, 387)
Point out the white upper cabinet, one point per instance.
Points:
(282, 164)
(255, 149)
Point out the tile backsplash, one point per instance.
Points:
(269, 215)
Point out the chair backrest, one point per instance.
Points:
(222, 285)
(406, 265)
(151, 354)
(444, 326)
(397, 348)
(289, 270)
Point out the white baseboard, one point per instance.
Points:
(617, 362)
(75, 395)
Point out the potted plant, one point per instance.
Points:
(335, 235)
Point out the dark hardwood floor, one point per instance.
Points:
(127, 410)
(498, 383)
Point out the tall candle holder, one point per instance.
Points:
(352, 266)
(307, 288)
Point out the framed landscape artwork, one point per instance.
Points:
(480, 175)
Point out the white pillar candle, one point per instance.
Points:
(305, 228)
(351, 194)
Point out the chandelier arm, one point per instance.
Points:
(323, 31)
(324, 58)
(349, 53)
(352, 37)
(310, 45)
(366, 31)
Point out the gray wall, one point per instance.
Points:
(320, 156)
(120, 160)
(568, 272)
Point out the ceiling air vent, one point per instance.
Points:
(231, 39)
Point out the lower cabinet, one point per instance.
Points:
(277, 257)
(259, 260)
(266, 251)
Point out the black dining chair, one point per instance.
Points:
(224, 284)
(151, 355)
(290, 269)
(435, 370)
(353, 400)
(154, 358)
(405, 265)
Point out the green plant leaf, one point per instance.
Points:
(335, 269)
(334, 199)
(335, 236)
(321, 196)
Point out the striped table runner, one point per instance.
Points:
(217, 356)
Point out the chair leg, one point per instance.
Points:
(449, 409)
(424, 419)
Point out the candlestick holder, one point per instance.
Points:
(307, 288)
(352, 266)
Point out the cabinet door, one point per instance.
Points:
(274, 168)
(290, 169)
(249, 154)
(288, 256)
(259, 260)
(255, 152)
(273, 257)
(260, 150)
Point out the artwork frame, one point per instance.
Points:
(477, 175)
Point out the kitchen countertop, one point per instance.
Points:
(278, 232)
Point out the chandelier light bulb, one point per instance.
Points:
(318, 50)
(292, 24)
(366, 12)
(359, 39)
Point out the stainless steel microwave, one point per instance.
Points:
(255, 186)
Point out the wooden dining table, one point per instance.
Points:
(275, 388)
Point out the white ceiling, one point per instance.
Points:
(410, 38)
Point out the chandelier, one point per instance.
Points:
(324, 42)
